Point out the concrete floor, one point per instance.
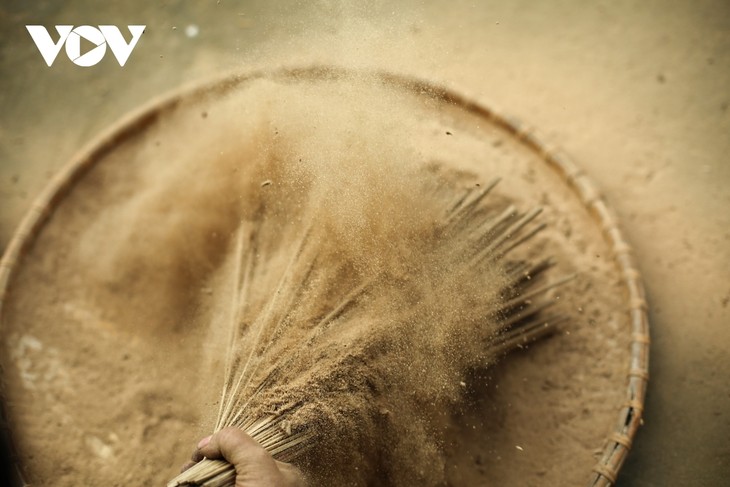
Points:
(637, 92)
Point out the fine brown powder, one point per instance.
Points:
(119, 323)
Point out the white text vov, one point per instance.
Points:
(70, 36)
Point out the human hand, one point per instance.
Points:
(255, 467)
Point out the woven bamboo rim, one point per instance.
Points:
(618, 442)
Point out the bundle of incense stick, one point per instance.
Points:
(470, 239)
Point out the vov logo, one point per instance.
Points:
(71, 36)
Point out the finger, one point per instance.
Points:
(197, 455)
(187, 466)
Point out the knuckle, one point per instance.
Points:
(229, 436)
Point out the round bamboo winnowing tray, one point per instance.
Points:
(92, 398)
